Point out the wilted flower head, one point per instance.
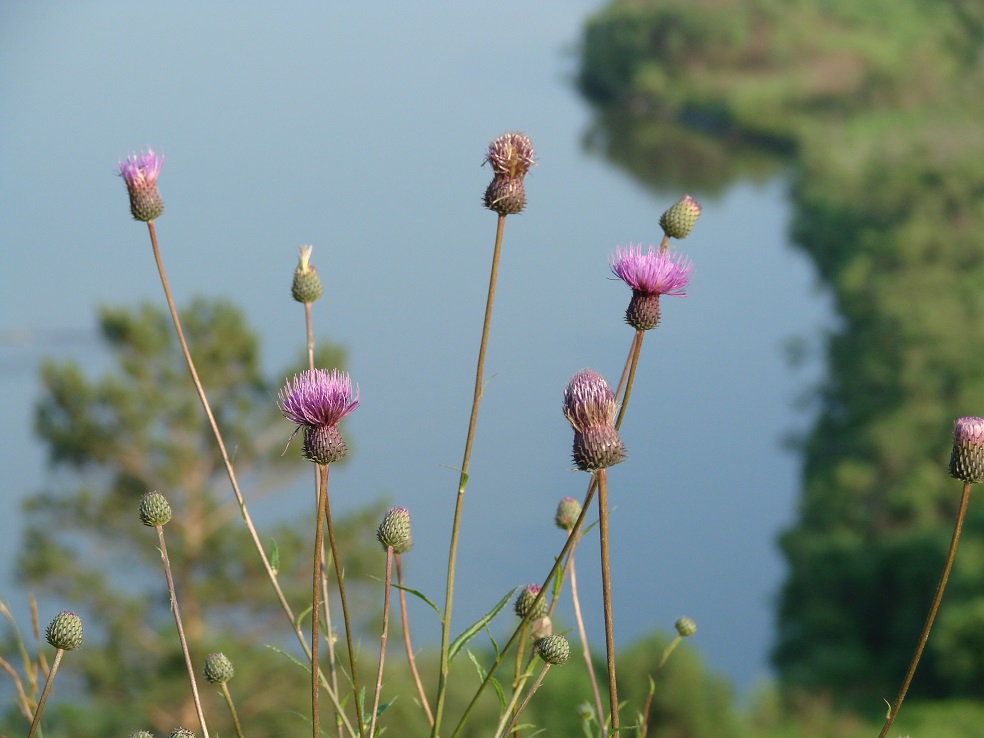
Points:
(590, 406)
(140, 172)
(317, 400)
(510, 155)
(679, 219)
(967, 456)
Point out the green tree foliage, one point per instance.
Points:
(139, 427)
(879, 103)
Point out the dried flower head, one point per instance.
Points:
(590, 406)
(64, 631)
(306, 286)
(316, 400)
(510, 155)
(395, 530)
(218, 668)
(505, 195)
(679, 219)
(140, 172)
(967, 456)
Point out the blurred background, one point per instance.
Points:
(360, 129)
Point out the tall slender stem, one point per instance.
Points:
(631, 365)
(181, 634)
(463, 480)
(257, 544)
(339, 574)
(582, 633)
(404, 621)
(44, 694)
(937, 598)
(319, 549)
(232, 710)
(606, 593)
(382, 641)
(529, 696)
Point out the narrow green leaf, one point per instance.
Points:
(478, 625)
(415, 593)
(274, 556)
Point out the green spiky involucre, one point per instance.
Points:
(679, 219)
(554, 649)
(65, 631)
(395, 530)
(154, 509)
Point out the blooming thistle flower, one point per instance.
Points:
(649, 275)
(317, 400)
(967, 456)
(511, 156)
(590, 406)
(140, 172)
(679, 219)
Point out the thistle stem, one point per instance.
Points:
(628, 375)
(319, 548)
(382, 641)
(606, 587)
(232, 710)
(345, 614)
(257, 544)
(181, 634)
(529, 696)
(406, 642)
(44, 694)
(582, 633)
(463, 481)
(937, 598)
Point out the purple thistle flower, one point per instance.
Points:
(317, 397)
(967, 455)
(140, 172)
(316, 400)
(653, 273)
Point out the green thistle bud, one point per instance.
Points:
(967, 456)
(181, 733)
(140, 734)
(154, 509)
(218, 668)
(524, 603)
(568, 511)
(678, 220)
(307, 284)
(395, 530)
(65, 631)
(685, 627)
(554, 649)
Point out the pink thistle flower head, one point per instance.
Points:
(967, 456)
(317, 400)
(140, 172)
(652, 273)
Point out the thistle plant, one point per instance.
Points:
(219, 670)
(966, 465)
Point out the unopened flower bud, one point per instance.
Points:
(181, 733)
(568, 511)
(395, 530)
(140, 172)
(218, 668)
(685, 627)
(140, 734)
(65, 631)
(554, 649)
(524, 603)
(967, 456)
(154, 509)
(678, 220)
(597, 447)
(307, 284)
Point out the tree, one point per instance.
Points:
(139, 427)
(879, 103)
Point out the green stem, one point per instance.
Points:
(44, 694)
(529, 696)
(606, 587)
(463, 481)
(232, 710)
(411, 660)
(938, 597)
(631, 365)
(382, 641)
(582, 633)
(241, 501)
